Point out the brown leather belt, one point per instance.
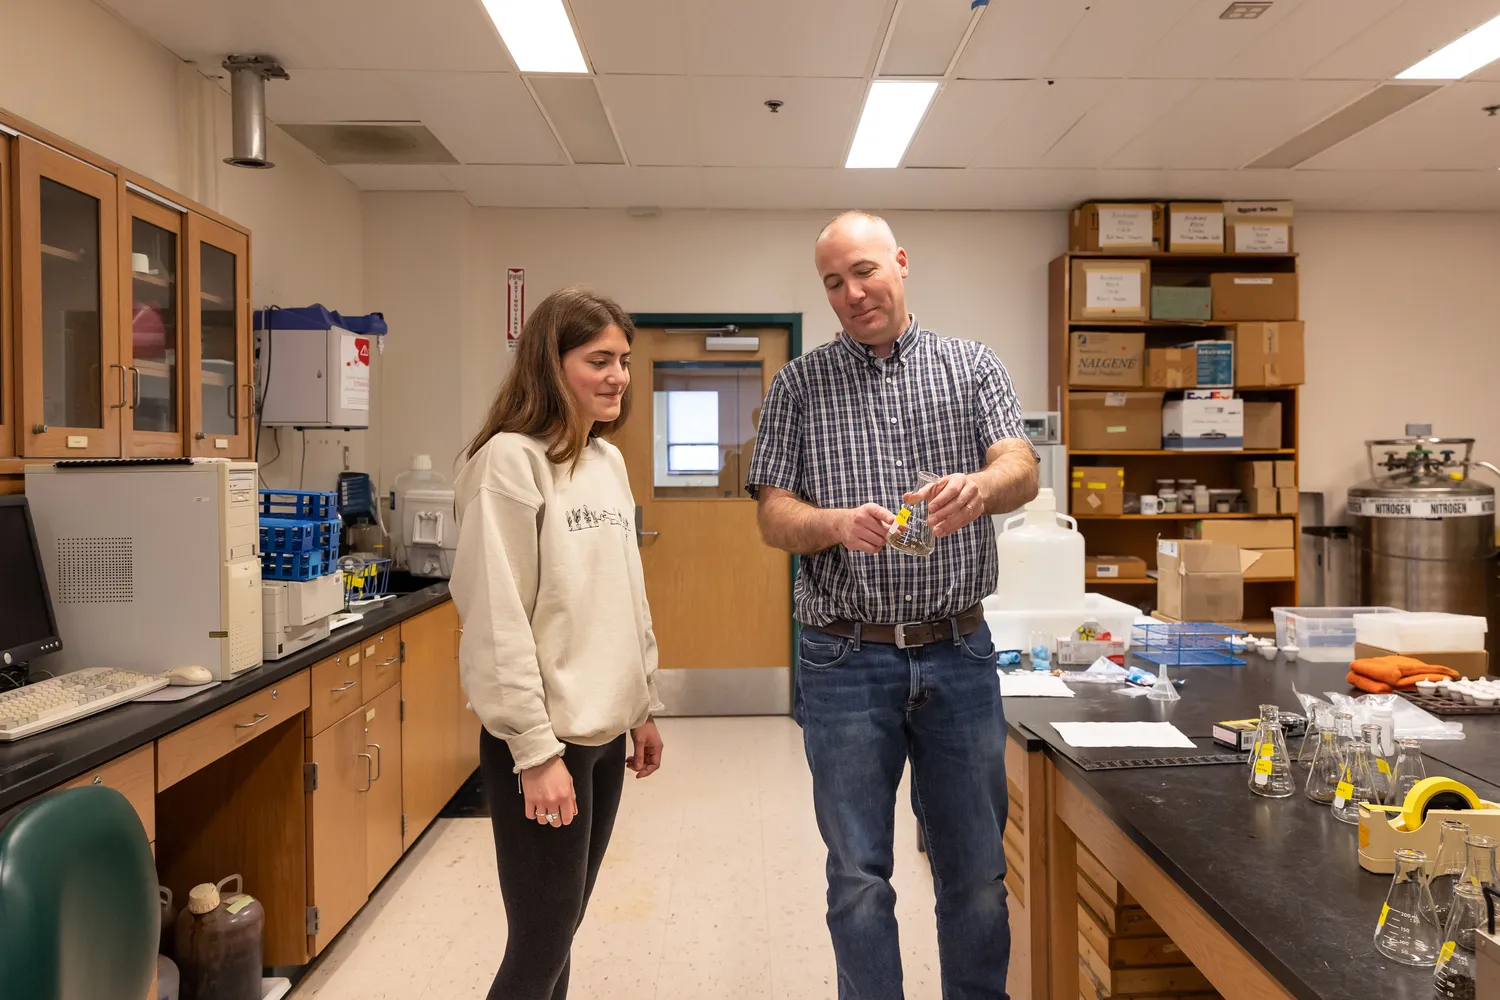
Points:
(911, 634)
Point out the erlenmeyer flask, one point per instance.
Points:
(1355, 784)
(910, 534)
(1453, 979)
(1402, 934)
(1479, 861)
(1271, 774)
(1452, 853)
(1380, 780)
(1322, 719)
(1323, 779)
(1409, 769)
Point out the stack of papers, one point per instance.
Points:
(1123, 734)
(1033, 684)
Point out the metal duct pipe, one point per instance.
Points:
(247, 88)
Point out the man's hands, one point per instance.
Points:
(952, 503)
(864, 529)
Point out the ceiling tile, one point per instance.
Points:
(1434, 191)
(624, 187)
(573, 106)
(725, 38)
(340, 95)
(518, 187)
(1228, 123)
(926, 37)
(396, 177)
(656, 117)
(1313, 30)
(1129, 107)
(1001, 123)
(1016, 38)
(1112, 35)
(1448, 130)
(1402, 38)
(1202, 43)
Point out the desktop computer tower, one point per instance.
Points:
(152, 565)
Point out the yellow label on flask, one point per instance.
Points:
(1385, 911)
(1383, 766)
(1344, 790)
(1449, 948)
(1267, 749)
(1263, 766)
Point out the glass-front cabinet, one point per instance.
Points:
(219, 383)
(150, 286)
(72, 386)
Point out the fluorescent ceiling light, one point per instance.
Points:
(538, 34)
(893, 110)
(1461, 56)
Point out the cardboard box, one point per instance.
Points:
(1104, 359)
(1268, 354)
(1098, 489)
(1128, 421)
(1196, 227)
(1205, 364)
(1114, 568)
(1288, 500)
(1471, 664)
(1203, 424)
(1201, 580)
(1262, 425)
(1121, 226)
(1182, 302)
(1255, 475)
(1254, 296)
(1286, 473)
(1258, 226)
(1112, 289)
(1246, 533)
(1272, 564)
(1261, 499)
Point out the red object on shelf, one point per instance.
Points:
(148, 331)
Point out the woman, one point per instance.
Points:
(558, 658)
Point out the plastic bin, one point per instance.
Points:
(1012, 629)
(1421, 631)
(297, 566)
(278, 535)
(1323, 635)
(299, 505)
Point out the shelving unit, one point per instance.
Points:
(1131, 534)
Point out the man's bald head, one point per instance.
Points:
(863, 271)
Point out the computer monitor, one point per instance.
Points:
(28, 626)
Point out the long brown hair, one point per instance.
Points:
(535, 399)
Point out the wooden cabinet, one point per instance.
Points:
(133, 776)
(336, 868)
(205, 741)
(72, 385)
(383, 838)
(151, 334)
(432, 696)
(8, 413)
(335, 690)
(219, 384)
(380, 667)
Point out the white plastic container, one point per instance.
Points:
(1421, 632)
(1321, 635)
(419, 477)
(430, 529)
(1012, 628)
(1041, 558)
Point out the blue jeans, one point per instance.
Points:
(864, 710)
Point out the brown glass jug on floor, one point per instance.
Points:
(219, 943)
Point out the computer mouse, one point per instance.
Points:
(190, 676)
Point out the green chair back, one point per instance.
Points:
(79, 911)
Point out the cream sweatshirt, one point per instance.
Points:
(557, 644)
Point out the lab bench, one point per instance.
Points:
(1264, 896)
(309, 776)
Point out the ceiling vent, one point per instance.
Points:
(247, 88)
(1245, 11)
(338, 143)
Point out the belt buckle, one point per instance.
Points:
(901, 642)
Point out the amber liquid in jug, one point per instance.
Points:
(219, 944)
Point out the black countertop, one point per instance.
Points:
(1282, 877)
(37, 763)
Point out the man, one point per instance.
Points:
(895, 660)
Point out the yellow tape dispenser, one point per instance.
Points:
(1416, 822)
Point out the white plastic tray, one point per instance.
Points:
(1012, 628)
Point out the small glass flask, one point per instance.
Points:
(1322, 719)
(1409, 769)
(910, 534)
(1402, 934)
(1355, 784)
(1479, 861)
(1454, 977)
(1271, 774)
(1326, 765)
(1447, 869)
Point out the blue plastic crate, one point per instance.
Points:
(298, 505)
(277, 535)
(1197, 644)
(297, 565)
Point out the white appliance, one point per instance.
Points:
(294, 615)
(315, 378)
(1044, 431)
(153, 564)
(429, 532)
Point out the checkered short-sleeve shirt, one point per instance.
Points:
(840, 428)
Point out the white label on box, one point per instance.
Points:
(1254, 281)
(1114, 399)
(1198, 227)
(1112, 291)
(1423, 509)
(1166, 548)
(354, 372)
(1125, 227)
(1261, 237)
(1106, 572)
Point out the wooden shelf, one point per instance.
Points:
(1161, 391)
(151, 279)
(1169, 255)
(214, 299)
(1160, 451)
(1182, 517)
(52, 251)
(1138, 581)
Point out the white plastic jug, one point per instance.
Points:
(1041, 559)
(419, 477)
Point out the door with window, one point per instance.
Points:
(720, 598)
(151, 293)
(219, 384)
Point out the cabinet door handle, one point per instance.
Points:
(135, 387)
(124, 395)
(259, 718)
(379, 761)
(369, 772)
(343, 687)
(250, 397)
(388, 662)
(232, 401)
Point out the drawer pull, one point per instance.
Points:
(259, 718)
(343, 687)
(386, 663)
(98, 779)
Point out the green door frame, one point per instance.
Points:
(792, 323)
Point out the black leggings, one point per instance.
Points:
(546, 872)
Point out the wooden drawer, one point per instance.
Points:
(380, 664)
(205, 741)
(336, 689)
(133, 776)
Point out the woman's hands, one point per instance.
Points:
(648, 746)
(549, 793)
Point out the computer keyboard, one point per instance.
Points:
(57, 701)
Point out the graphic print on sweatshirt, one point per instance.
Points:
(585, 518)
